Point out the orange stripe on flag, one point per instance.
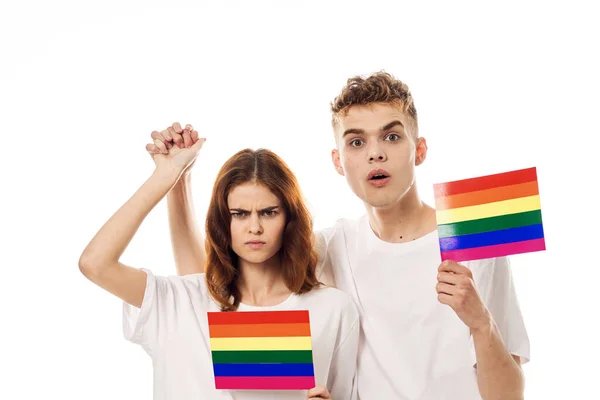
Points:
(487, 196)
(259, 330)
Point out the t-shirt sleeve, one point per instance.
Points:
(149, 324)
(496, 287)
(342, 381)
(324, 268)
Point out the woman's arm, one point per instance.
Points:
(99, 262)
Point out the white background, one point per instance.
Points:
(82, 85)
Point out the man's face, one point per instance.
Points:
(377, 154)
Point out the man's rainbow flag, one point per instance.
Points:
(261, 350)
(489, 216)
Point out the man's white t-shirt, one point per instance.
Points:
(411, 346)
(172, 327)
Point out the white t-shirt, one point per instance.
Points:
(411, 346)
(172, 327)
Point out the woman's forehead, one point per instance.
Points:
(252, 195)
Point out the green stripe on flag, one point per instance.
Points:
(266, 356)
(490, 224)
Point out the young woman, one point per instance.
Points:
(260, 257)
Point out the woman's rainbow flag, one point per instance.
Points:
(261, 350)
(489, 216)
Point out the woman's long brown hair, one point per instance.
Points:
(298, 255)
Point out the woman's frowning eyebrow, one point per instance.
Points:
(271, 208)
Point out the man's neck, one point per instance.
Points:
(407, 220)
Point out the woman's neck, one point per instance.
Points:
(261, 284)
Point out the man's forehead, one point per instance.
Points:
(371, 117)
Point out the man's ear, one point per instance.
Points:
(335, 157)
(421, 151)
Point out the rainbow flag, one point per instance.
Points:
(489, 216)
(261, 350)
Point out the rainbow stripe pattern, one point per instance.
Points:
(261, 350)
(489, 216)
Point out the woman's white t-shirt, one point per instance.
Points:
(172, 327)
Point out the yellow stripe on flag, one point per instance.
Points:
(495, 209)
(262, 343)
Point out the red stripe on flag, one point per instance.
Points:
(258, 317)
(485, 182)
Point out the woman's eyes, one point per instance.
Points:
(240, 214)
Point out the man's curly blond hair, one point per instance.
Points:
(379, 87)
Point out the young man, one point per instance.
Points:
(429, 331)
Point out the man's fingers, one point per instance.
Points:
(178, 140)
(175, 136)
(169, 133)
(152, 149)
(447, 277)
(161, 146)
(453, 266)
(187, 139)
(445, 299)
(198, 145)
(156, 135)
(320, 396)
(318, 392)
(176, 127)
(445, 288)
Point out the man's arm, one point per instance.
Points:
(324, 270)
(186, 239)
(499, 374)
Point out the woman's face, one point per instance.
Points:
(257, 222)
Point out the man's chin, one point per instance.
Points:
(380, 204)
(383, 198)
(379, 200)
